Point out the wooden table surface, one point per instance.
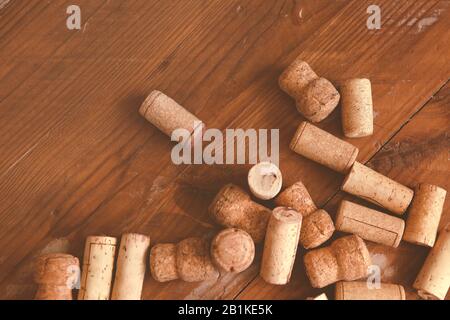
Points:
(77, 159)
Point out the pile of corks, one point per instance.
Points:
(296, 219)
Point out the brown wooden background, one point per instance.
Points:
(77, 159)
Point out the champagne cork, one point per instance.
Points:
(369, 224)
(372, 186)
(264, 180)
(130, 270)
(232, 250)
(324, 148)
(433, 280)
(56, 275)
(317, 228)
(189, 260)
(280, 245)
(315, 97)
(98, 263)
(424, 215)
(167, 115)
(233, 208)
(360, 290)
(346, 259)
(357, 108)
(296, 197)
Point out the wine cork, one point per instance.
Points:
(233, 208)
(98, 263)
(361, 290)
(317, 228)
(357, 108)
(163, 262)
(296, 197)
(167, 115)
(346, 259)
(322, 296)
(130, 270)
(56, 274)
(372, 186)
(369, 224)
(315, 97)
(324, 148)
(280, 245)
(424, 215)
(433, 280)
(265, 180)
(232, 250)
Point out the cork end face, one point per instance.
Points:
(287, 215)
(427, 295)
(317, 228)
(148, 102)
(297, 135)
(265, 180)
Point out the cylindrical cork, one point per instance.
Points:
(361, 290)
(317, 228)
(163, 262)
(56, 275)
(357, 108)
(296, 77)
(167, 115)
(433, 280)
(232, 250)
(233, 208)
(346, 259)
(130, 270)
(265, 180)
(98, 264)
(369, 224)
(322, 147)
(280, 245)
(372, 186)
(424, 215)
(296, 197)
(322, 296)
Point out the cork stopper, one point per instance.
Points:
(317, 228)
(280, 245)
(232, 250)
(357, 108)
(424, 215)
(360, 290)
(163, 266)
(322, 296)
(369, 224)
(324, 148)
(374, 187)
(56, 275)
(265, 180)
(298, 198)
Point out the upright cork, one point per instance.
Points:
(433, 280)
(233, 208)
(131, 265)
(315, 97)
(56, 274)
(280, 245)
(372, 186)
(424, 215)
(324, 148)
(189, 260)
(297, 197)
(357, 108)
(232, 250)
(265, 180)
(167, 115)
(346, 259)
(98, 264)
(369, 224)
(360, 290)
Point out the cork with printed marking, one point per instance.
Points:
(362, 290)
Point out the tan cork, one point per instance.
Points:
(317, 228)
(433, 280)
(346, 259)
(232, 250)
(424, 215)
(265, 180)
(372, 186)
(163, 262)
(315, 97)
(324, 148)
(56, 274)
(280, 245)
(130, 268)
(233, 208)
(361, 290)
(98, 264)
(369, 224)
(357, 108)
(296, 197)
